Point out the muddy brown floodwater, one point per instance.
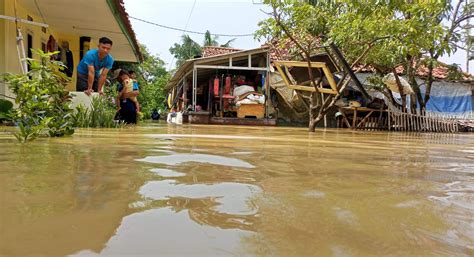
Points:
(159, 190)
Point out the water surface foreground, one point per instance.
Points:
(159, 190)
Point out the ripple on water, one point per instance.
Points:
(346, 216)
(179, 158)
(167, 173)
(408, 204)
(314, 194)
(456, 200)
(234, 198)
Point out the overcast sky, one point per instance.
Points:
(218, 16)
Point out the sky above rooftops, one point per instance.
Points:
(217, 16)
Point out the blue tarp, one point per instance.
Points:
(449, 97)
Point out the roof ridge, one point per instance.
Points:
(222, 47)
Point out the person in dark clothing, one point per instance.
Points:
(155, 115)
(65, 56)
(127, 111)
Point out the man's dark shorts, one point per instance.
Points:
(81, 83)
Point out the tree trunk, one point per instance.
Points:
(316, 120)
(429, 83)
(400, 89)
(411, 80)
(312, 108)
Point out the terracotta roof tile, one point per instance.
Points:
(208, 51)
(439, 72)
(281, 50)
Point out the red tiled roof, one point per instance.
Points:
(439, 72)
(277, 52)
(208, 51)
(281, 50)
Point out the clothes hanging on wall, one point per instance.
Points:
(65, 56)
(52, 46)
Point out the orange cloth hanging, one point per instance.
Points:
(216, 86)
(228, 82)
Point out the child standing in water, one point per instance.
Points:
(127, 83)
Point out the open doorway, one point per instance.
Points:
(29, 43)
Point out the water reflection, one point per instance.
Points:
(238, 191)
(175, 159)
(232, 198)
(164, 232)
(167, 173)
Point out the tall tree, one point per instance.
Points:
(308, 24)
(210, 40)
(380, 33)
(186, 50)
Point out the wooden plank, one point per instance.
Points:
(311, 89)
(283, 75)
(300, 64)
(354, 119)
(404, 117)
(251, 110)
(364, 119)
(344, 118)
(407, 118)
(330, 78)
(400, 125)
(322, 65)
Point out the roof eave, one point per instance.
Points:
(121, 16)
(185, 66)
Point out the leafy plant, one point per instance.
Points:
(5, 108)
(454, 72)
(101, 114)
(43, 103)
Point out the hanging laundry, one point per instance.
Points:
(65, 56)
(52, 46)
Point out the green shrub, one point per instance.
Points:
(43, 104)
(5, 108)
(100, 115)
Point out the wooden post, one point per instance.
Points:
(399, 127)
(194, 88)
(354, 118)
(388, 117)
(403, 122)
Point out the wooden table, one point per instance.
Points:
(354, 124)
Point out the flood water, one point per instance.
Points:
(159, 190)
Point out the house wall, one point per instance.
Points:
(9, 61)
(2, 48)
